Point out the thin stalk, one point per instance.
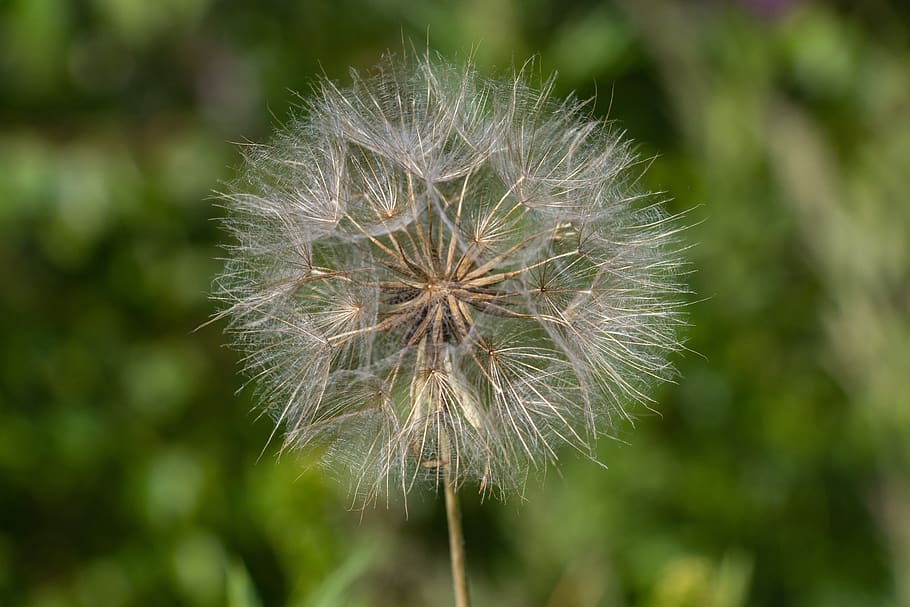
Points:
(456, 541)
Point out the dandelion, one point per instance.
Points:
(443, 277)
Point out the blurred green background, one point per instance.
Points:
(778, 472)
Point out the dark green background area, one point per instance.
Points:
(778, 469)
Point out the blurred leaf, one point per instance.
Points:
(336, 589)
(240, 590)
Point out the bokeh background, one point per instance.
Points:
(778, 470)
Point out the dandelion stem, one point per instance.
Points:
(456, 538)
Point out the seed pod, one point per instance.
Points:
(433, 268)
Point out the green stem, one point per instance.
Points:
(456, 540)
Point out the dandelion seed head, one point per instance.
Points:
(435, 269)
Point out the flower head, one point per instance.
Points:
(434, 269)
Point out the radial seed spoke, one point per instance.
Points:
(499, 259)
(438, 324)
(420, 330)
(453, 237)
(422, 238)
(388, 323)
(477, 278)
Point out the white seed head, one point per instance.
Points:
(436, 269)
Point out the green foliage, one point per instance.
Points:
(776, 473)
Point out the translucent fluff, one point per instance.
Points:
(435, 269)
